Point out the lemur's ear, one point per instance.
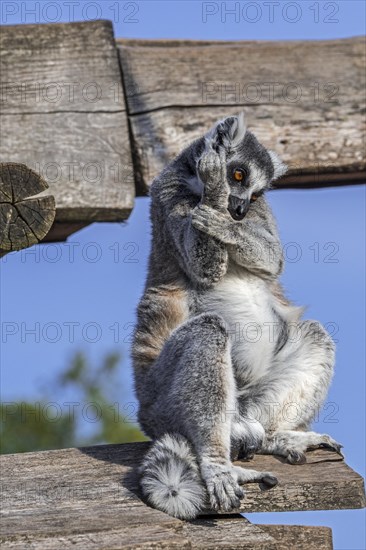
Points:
(279, 167)
(237, 130)
(228, 132)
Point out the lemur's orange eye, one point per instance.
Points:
(238, 174)
(253, 198)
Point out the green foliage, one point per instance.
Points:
(45, 424)
(25, 427)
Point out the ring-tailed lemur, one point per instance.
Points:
(221, 358)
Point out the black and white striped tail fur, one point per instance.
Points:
(170, 478)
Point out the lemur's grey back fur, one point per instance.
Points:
(205, 381)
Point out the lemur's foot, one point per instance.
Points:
(223, 489)
(292, 445)
(327, 442)
(324, 442)
(223, 484)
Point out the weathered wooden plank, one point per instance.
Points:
(325, 482)
(239, 69)
(81, 156)
(154, 537)
(233, 532)
(211, 534)
(208, 533)
(305, 99)
(63, 114)
(101, 480)
(24, 219)
(300, 537)
(60, 67)
(78, 497)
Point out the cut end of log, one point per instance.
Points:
(24, 219)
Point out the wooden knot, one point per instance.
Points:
(24, 221)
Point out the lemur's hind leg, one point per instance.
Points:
(286, 400)
(198, 400)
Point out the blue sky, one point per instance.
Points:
(83, 294)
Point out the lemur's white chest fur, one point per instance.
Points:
(254, 319)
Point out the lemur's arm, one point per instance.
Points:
(203, 257)
(253, 242)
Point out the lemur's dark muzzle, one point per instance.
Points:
(238, 207)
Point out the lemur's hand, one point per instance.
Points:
(212, 171)
(222, 227)
(212, 222)
(212, 168)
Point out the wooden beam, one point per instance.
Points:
(24, 219)
(305, 99)
(63, 114)
(151, 529)
(300, 537)
(231, 531)
(159, 531)
(75, 497)
(75, 493)
(324, 482)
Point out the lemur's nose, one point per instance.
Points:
(240, 211)
(238, 207)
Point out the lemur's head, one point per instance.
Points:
(251, 168)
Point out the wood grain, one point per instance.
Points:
(24, 219)
(154, 531)
(300, 537)
(71, 494)
(304, 99)
(63, 114)
(212, 533)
